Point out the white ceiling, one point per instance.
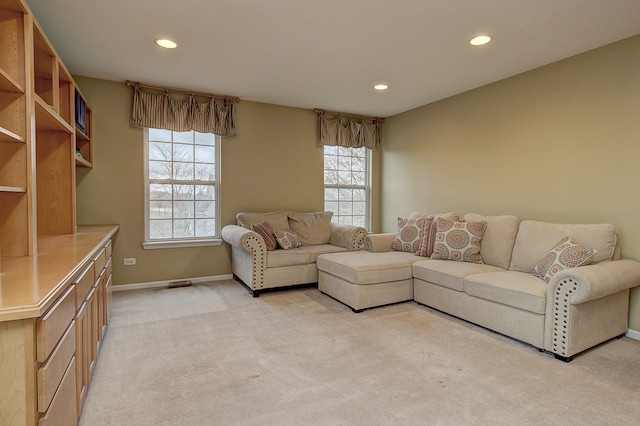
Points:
(327, 54)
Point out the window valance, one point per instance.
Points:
(166, 111)
(344, 131)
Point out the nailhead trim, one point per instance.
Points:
(561, 315)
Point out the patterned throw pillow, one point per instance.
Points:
(428, 239)
(458, 240)
(566, 254)
(266, 232)
(287, 239)
(409, 235)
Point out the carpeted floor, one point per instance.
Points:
(213, 355)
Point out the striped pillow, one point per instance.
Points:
(428, 239)
(265, 230)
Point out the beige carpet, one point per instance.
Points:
(213, 355)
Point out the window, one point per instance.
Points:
(346, 184)
(181, 188)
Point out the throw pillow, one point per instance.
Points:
(458, 240)
(428, 239)
(287, 239)
(265, 230)
(566, 254)
(311, 228)
(409, 235)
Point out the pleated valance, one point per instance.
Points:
(164, 111)
(345, 132)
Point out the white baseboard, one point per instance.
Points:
(159, 284)
(633, 334)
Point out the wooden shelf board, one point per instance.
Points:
(81, 134)
(8, 84)
(81, 162)
(48, 119)
(9, 136)
(12, 189)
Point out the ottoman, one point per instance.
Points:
(362, 279)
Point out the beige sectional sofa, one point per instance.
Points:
(576, 309)
(261, 268)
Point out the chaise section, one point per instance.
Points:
(364, 280)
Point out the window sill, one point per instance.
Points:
(169, 244)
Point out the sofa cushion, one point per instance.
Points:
(319, 249)
(409, 235)
(292, 257)
(536, 238)
(277, 220)
(518, 289)
(432, 216)
(459, 241)
(449, 274)
(287, 239)
(499, 238)
(265, 230)
(363, 267)
(564, 255)
(312, 228)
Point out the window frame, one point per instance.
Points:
(366, 187)
(180, 242)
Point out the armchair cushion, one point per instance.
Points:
(311, 228)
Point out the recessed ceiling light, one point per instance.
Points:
(480, 40)
(166, 43)
(381, 86)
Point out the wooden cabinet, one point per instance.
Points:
(51, 326)
(39, 137)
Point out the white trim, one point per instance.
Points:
(165, 283)
(166, 244)
(633, 334)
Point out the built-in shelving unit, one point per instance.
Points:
(40, 142)
(55, 277)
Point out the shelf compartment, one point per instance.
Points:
(55, 182)
(13, 117)
(45, 67)
(83, 119)
(13, 167)
(12, 60)
(14, 228)
(48, 119)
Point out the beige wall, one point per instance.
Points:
(560, 143)
(273, 164)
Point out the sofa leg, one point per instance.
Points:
(357, 311)
(540, 350)
(563, 358)
(620, 336)
(255, 293)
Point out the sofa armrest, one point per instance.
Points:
(596, 281)
(244, 238)
(379, 242)
(348, 236)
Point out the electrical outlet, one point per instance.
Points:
(130, 261)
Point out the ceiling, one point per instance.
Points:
(327, 54)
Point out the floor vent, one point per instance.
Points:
(177, 284)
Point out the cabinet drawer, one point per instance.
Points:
(109, 267)
(52, 325)
(51, 372)
(100, 260)
(83, 283)
(62, 411)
